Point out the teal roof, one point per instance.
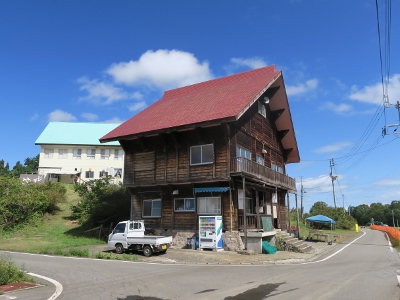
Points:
(75, 133)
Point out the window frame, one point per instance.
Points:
(152, 201)
(62, 153)
(117, 155)
(260, 160)
(202, 156)
(90, 173)
(106, 155)
(48, 153)
(91, 155)
(77, 153)
(262, 110)
(186, 208)
(207, 210)
(240, 151)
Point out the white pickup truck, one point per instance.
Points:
(129, 235)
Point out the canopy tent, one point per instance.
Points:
(321, 219)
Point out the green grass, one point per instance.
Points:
(10, 273)
(55, 234)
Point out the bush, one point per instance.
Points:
(10, 273)
(21, 203)
(101, 200)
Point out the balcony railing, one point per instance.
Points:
(269, 176)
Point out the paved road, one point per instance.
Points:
(365, 269)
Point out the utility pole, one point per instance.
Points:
(302, 192)
(394, 225)
(343, 203)
(333, 179)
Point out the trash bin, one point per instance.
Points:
(196, 243)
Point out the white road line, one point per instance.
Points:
(59, 287)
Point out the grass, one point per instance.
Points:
(54, 233)
(10, 273)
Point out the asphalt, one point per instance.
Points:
(188, 256)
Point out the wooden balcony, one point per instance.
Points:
(267, 175)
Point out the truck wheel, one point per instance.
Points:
(119, 249)
(147, 251)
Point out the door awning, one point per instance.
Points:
(212, 189)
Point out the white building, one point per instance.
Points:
(71, 152)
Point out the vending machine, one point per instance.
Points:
(210, 232)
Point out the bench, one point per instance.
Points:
(318, 234)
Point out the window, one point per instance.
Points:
(118, 172)
(48, 153)
(184, 204)
(135, 225)
(201, 155)
(274, 166)
(62, 153)
(77, 154)
(105, 153)
(89, 174)
(280, 169)
(118, 154)
(103, 173)
(240, 152)
(260, 160)
(120, 228)
(152, 208)
(90, 153)
(209, 205)
(261, 109)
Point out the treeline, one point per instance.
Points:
(377, 212)
(30, 165)
(25, 203)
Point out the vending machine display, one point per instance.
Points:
(210, 232)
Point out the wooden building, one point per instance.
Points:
(218, 147)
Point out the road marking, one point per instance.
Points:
(390, 244)
(333, 254)
(59, 287)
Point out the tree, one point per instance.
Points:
(319, 208)
(4, 169)
(31, 164)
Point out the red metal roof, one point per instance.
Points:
(216, 99)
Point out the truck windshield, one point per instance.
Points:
(120, 228)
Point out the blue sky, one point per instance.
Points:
(104, 61)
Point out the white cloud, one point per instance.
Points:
(34, 117)
(114, 120)
(162, 69)
(90, 116)
(101, 91)
(309, 85)
(338, 108)
(373, 93)
(388, 182)
(333, 148)
(252, 63)
(137, 106)
(60, 116)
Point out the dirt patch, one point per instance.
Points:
(8, 288)
(72, 223)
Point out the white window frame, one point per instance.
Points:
(185, 205)
(204, 206)
(241, 152)
(153, 213)
(260, 160)
(274, 166)
(104, 154)
(118, 154)
(48, 153)
(91, 153)
(89, 174)
(62, 153)
(77, 153)
(203, 160)
(262, 110)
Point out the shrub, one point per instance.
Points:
(10, 273)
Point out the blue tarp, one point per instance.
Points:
(321, 219)
(212, 189)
